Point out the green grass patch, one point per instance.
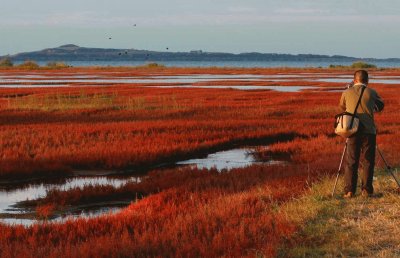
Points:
(355, 65)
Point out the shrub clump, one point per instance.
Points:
(6, 62)
(362, 65)
(355, 65)
(30, 65)
(57, 65)
(337, 66)
(154, 65)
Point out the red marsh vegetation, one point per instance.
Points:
(182, 211)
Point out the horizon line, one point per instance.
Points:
(200, 51)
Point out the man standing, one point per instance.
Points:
(363, 143)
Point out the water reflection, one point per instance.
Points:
(242, 87)
(50, 81)
(9, 197)
(71, 216)
(226, 160)
(21, 80)
(372, 81)
(15, 86)
(63, 80)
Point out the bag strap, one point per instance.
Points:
(358, 104)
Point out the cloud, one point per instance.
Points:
(300, 11)
(241, 9)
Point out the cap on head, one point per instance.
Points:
(361, 76)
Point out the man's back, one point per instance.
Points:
(370, 102)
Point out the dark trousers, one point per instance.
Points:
(360, 146)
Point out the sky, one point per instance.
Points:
(360, 28)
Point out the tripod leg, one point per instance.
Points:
(388, 168)
(340, 167)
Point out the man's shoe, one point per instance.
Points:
(348, 195)
(365, 194)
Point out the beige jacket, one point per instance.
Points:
(371, 102)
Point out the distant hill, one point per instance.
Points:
(72, 52)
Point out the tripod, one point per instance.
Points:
(388, 168)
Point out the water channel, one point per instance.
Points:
(11, 195)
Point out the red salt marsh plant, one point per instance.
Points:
(185, 212)
(211, 215)
(45, 211)
(119, 139)
(158, 181)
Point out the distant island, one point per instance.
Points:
(71, 52)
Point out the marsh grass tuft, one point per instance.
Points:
(100, 100)
(51, 102)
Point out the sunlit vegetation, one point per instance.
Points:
(362, 65)
(154, 65)
(127, 128)
(335, 227)
(208, 216)
(57, 65)
(29, 65)
(355, 65)
(98, 100)
(6, 63)
(181, 211)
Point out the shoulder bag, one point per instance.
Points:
(347, 124)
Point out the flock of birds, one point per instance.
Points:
(126, 52)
